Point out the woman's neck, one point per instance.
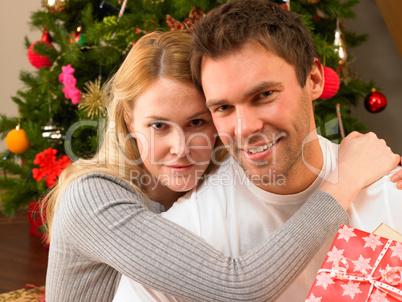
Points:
(163, 195)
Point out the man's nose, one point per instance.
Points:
(248, 122)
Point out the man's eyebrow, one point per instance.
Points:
(213, 103)
(260, 87)
(257, 88)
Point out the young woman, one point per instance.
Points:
(160, 139)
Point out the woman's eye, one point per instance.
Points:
(158, 125)
(197, 122)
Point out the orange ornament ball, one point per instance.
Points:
(16, 141)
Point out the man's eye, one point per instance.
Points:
(222, 108)
(265, 93)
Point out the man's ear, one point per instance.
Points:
(316, 78)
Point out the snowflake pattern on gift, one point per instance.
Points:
(391, 274)
(346, 233)
(372, 241)
(324, 280)
(351, 289)
(312, 298)
(397, 250)
(378, 296)
(335, 255)
(362, 264)
(385, 270)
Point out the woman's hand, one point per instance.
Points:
(362, 159)
(397, 178)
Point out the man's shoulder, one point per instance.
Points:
(382, 192)
(381, 202)
(385, 183)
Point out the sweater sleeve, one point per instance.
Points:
(107, 221)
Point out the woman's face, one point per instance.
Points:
(175, 135)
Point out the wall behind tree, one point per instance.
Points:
(14, 19)
(377, 59)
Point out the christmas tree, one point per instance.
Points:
(61, 105)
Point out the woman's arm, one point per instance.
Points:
(105, 219)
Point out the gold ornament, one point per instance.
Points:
(93, 99)
(54, 6)
(340, 48)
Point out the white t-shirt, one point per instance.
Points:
(234, 216)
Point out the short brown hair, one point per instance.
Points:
(229, 26)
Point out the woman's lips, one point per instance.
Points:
(181, 168)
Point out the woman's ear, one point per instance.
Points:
(129, 124)
(316, 78)
(132, 131)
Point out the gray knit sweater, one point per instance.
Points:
(102, 229)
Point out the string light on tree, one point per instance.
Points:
(375, 102)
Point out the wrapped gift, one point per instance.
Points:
(359, 266)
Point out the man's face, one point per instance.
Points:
(260, 110)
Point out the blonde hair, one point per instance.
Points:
(154, 56)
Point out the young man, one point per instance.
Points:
(260, 73)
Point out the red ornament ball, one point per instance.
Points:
(331, 84)
(38, 60)
(375, 102)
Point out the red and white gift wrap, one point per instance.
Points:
(360, 266)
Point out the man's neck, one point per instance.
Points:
(301, 174)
